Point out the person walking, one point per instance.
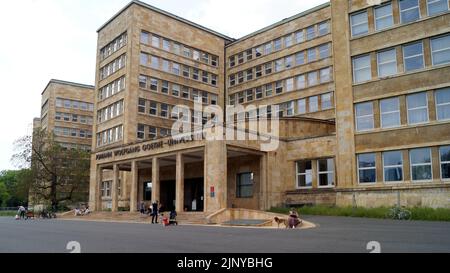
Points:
(21, 212)
(142, 208)
(155, 212)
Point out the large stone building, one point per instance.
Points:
(363, 96)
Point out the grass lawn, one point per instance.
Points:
(424, 214)
(8, 213)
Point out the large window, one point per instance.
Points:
(141, 131)
(383, 17)
(409, 10)
(417, 105)
(106, 189)
(443, 104)
(387, 63)
(304, 174)
(420, 160)
(359, 23)
(314, 104)
(311, 33)
(326, 172)
(301, 106)
(244, 185)
(393, 166)
(326, 101)
(362, 69)
(444, 155)
(364, 116)
(390, 112)
(324, 51)
(437, 6)
(413, 56)
(367, 169)
(440, 50)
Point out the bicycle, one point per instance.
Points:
(399, 213)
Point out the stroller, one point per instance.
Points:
(173, 218)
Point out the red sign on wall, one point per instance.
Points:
(212, 191)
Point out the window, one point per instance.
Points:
(141, 131)
(240, 58)
(299, 37)
(196, 55)
(279, 87)
(142, 82)
(326, 101)
(393, 166)
(214, 99)
(205, 77)
(443, 104)
(362, 69)
(444, 156)
(249, 95)
(175, 90)
(259, 92)
(279, 65)
(241, 97)
(141, 106)
(164, 132)
(176, 69)
(205, 57)
(301, 106)
(249, 54)
(186, 71)
(259, 51)
(324, 51)
(288, 61)
(154, 84)
(164, 110)
(186, 52)
(304, 174)
(166, 45)
(176, 48)
(155, 41)
(364, 116)
(288, 41)
(413, 56)
(437, 6)
(409, 11)
(268, 48)
(249, 74)
(268, 68)
(232, 80)
(258, 71)
(359, 23)
(390, 112)
(300, 58)
(312, 78)
(314, 104)
(232, 61)
(440, 50)
(152, 134)
(195, 74)
(155, 62)
(59, 103)
(417, 105)
(153, 108)
(310, 33)
(165, 87)
(290, 108)
(421, 164)
(312, 55)
(232, 99)
(290, 85)
(244, 185)
(241, 77)
(387, 63)
(301, 82)
(324, 28)
(277, 44)
(214, 61)
(367, 170)
(214, 79)
(383, 17)
(326, 172)
(106, 189)
(165, 65)
(144, 37)
(144, 59)
(325, 75)
(269, 90)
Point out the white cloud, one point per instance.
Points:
(45, 39)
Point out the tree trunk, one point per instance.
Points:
(53, 196)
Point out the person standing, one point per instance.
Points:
(22, 211)
(155, 213)
(142, 208)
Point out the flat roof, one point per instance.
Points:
(284, 21)
(68, 83)
(163, 12)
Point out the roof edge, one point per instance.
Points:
(282, 22)
(68, 83)
(166, 13)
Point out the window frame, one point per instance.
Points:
(303, 174)
(352, 25)
(386, 63)
(355, 71)
(365, 116)
(393, 166)
(441, 163)
(326, 172)
(411, 165)
(433, 63)
(447, 104)
(240, 185)
(366, 168)
(434, 1)
(390, 112)
(417, 108)
(414, 56)
(376, 19)
(400, 11)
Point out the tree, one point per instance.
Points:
(16, 187)
(4, 195)
(57, 174)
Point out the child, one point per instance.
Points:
(165, 220)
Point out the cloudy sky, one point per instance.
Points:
(56, 39)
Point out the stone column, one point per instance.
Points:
(179, 203)
(98, 187)
(134, 186)
(155, 180)
(114, 191)
(215, 173)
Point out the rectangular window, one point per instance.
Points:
(390, 112)
(186, 71)
(152, 134)
(154, 85)
(367, 170)
(290, 108)
(241, 98)
(164, 132)
(312, 56)
(279, 87)
(166, 45)
(176, 48)
(205, 77)
(301, 82)
(313, 104)
(290, 85)
(144, 59)
(232, 80)
(258, 92)
(304, 174)
(258, 71)
(214, 79)
(176, 68)
(175, 90)
(393, 166)
(279, 65)
(141, 106)
(142, 82)
(444, 156)
(269, 90)
(300, 58)
(384, 17)
(420, 160)
(249, 95)
(241, 77)
(440, 50)
(417, 105)
(300, 36)
(249, 54)
(364, 116)
(155, 62)
(324, 51)
(443, 104)
(249, 74)
(359, 24)
(165, 65)
(277, 44)
(232, 99)
(153, 108)
(205, 58)
(232, 61)
(145, 37)
(288, 41)
(387, 63)
(240, 58)
(187, 52)
(195, 55)
(164, 110)
(437, 6)
(165, 87)
(310, 33)
(324, 28)
(195, 74)
(155, 41)
(326, 172)
(214, 61)
(268, 48)
(326, 101)
(409, 11)
(312, 78)
(268, 68)
(301, 106)
(214, 99)
(325, 75)
(259, 51)
(141, 131)
(244, 185)
(413, 56)
(362, 69)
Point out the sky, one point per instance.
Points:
(57, 39)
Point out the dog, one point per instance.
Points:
(280, 221)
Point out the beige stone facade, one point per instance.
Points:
(350, 84)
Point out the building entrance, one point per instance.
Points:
(194, 194)
(167, 195)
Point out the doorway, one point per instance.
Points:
(167, 195)
(194, 194)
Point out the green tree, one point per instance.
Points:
(56, 174)
(4, 195)
(16, 185)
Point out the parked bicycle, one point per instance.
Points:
(399, 213)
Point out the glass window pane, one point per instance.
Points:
(437, 6)
(393, 174)
(366, 160)
(417, 108)
(314, 104)
(383, 17)
(387, 63)
(392, 158)
(368, 176)
(440, 50)
(409, 10)
(390, 112)
(443, 104)
(420, 156)
(359, 24)
(421, 173)
(362, 69)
